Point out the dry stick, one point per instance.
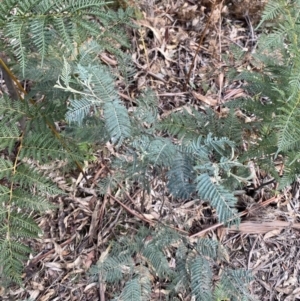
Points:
(251, 252)
(12, 91)
(248, 21)
(129, 197)
(199, 46)
(201, 233)
(245, 212)
(102, 287)
(140, 216)
(9, 80)
(150, 73)
(42, 256)
(97, 175)
(131, 211)
(7, 74)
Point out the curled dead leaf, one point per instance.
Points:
(89, 259)
(206, 99)
(75, 264)
(56, 266)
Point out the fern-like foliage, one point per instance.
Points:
(96, 90)
(188, 124)
(277, 79)
(222, 199)
(18, 178)
(56, 45)
(41, 24)
(233, 285)
(138, 262)
(183, 125)
(194, 170)
(182, 177)
(35, 35)
(204, 166)
(273, 10)
(201, 277)
(23, 187)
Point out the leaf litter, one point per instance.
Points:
(167, 54)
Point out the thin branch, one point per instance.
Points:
(245, 212)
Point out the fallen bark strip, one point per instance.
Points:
(245, 212)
